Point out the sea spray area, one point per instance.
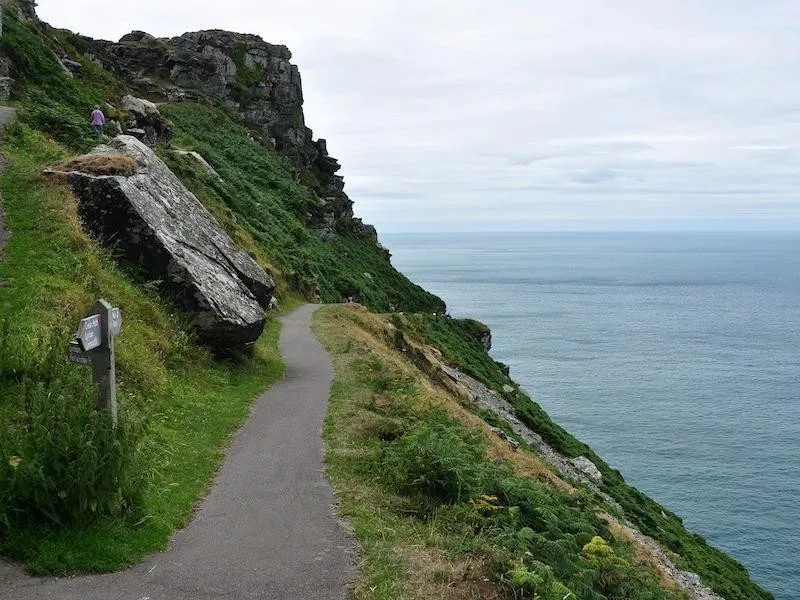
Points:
(673, 355)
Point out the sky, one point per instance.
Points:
(507, 115)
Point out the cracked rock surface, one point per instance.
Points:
(156, 223)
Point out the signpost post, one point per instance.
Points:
(93, 346)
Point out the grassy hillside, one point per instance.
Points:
(73, 494)
(443, 509)
(457, 341)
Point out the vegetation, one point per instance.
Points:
(457, 341)
(47, 99)
(262, 194)
(74, 494)
(428, 492)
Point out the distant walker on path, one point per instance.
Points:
(98, 120)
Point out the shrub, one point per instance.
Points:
(439, 459)
(61, 461)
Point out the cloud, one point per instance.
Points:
(526, 113)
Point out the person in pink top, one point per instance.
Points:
(98, 120)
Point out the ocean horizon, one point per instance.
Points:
(674, 355)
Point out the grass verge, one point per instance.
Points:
(185, 402)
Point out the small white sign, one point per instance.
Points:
(116, 321)
(90, 333)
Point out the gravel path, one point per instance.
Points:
(267, 530)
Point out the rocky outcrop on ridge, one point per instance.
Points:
(255, 79)
(145, 122)
(157, 223)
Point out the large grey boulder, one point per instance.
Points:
(157, 223)
(144, 117)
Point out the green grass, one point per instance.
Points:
(457, 341)
(264, 196)
(47, 98)
(187, 402)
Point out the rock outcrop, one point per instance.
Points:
(145, 122)
(157, 223)
(255, 79)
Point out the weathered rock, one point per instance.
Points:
(73, 66)
(157, 223)
(588, 468)
(137, 36)
(253, 78)
(28, 9)
(202, 161)
(5, 88)
(145, 116)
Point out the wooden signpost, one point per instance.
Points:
(93, 346)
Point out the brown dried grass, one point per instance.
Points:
(100, 164)
(642, 555)
(437, 577)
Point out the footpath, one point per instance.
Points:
(6, 114)
(267, 530)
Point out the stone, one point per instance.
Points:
(155, 222)
(508, 388)
(144, 115)
(6, 84)
(73, 66)
(28, 10)
(588, 468)
(199, 158)
(137, 37)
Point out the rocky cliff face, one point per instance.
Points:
(255, 79)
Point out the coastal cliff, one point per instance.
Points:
(427, 432)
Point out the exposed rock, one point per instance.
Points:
(588, 468)
(28, 9)
(158, 224)
(203, 162)
(145, 117)
(504, 436)
(137, 37)
(255, 79)
(5, 88)
(73, 66)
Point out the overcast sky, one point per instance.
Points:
(477, 115)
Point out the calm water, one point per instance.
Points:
(675, 356)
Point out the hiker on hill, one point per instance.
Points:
(98, 120)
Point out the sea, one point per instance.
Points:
(675, 356)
